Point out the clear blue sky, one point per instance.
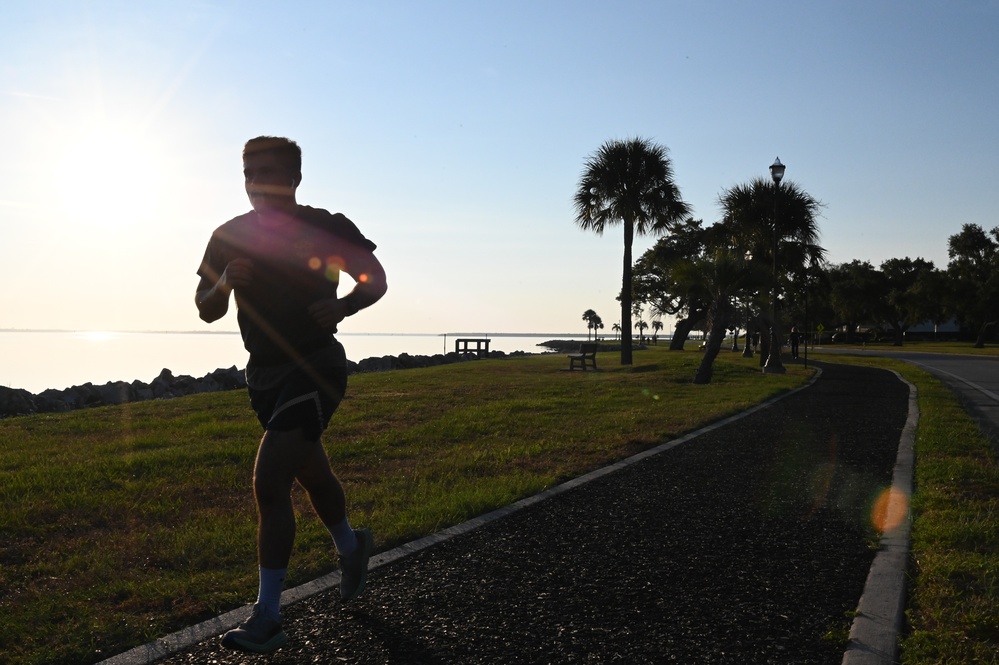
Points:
(454, 133)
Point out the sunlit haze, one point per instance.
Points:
(454, 133)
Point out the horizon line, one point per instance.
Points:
(236, 332)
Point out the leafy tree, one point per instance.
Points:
(629, 183)
(855, 293)
(974, 272)
(935, 293)
(811, 302)
(658, 283)
(901, 304)
(724, 276)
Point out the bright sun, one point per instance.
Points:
(108, 176)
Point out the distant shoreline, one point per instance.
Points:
(39, 359)
(344, 334)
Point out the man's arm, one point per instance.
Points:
(212, 297)
(370, 285)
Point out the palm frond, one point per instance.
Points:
(629, 182)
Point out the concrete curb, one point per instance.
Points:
(874, 635)
(212, 628)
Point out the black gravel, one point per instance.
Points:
(747, 544)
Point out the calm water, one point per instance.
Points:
(36, 361)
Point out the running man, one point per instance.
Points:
(283, 261)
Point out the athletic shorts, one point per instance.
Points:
(306, 398)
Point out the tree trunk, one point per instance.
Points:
(777, 335)
(715, 339)
(629, 233)
(747, 347)
(682, 332)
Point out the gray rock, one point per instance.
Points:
(17, 402)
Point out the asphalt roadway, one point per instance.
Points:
(749, 541)
(975, 380)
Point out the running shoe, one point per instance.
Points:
(258, 634)
(354, 568)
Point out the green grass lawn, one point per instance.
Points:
(122, 524)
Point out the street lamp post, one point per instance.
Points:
(773, 364)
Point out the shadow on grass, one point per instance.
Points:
(640, 369)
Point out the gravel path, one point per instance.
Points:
(744, 545)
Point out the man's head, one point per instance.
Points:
(272, 169)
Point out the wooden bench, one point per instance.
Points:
(587, 353)
(481, 349)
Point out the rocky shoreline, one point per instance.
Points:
(19, 402)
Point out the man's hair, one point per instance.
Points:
(286, 149)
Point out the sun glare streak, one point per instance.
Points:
(107, 177)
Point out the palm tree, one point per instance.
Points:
(657, 327)
(590, 317)
(750, 227)
(617, 330)
(641, 327)
(629, 182)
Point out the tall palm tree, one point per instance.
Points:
(750, 225)
(617, 329)
(657, 327)
(630, 183)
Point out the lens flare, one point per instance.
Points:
(334, 264)
(889, 510)
(315, 263)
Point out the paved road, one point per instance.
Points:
(975, 379)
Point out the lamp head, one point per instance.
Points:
(777, 171)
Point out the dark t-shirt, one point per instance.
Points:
(295, 263)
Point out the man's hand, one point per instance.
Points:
(328, 313)
(237, 274)
(213, 299)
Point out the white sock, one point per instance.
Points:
(344, 538)
(271, 586)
